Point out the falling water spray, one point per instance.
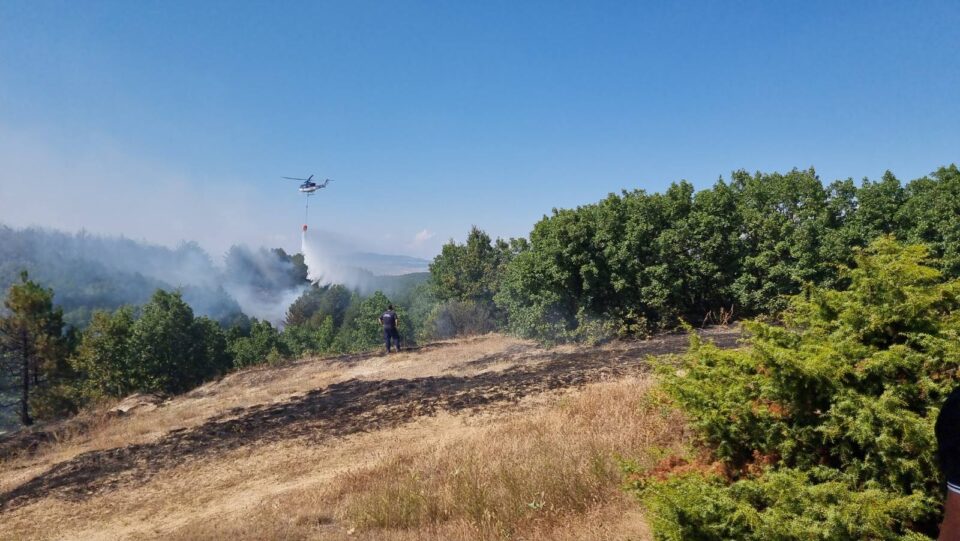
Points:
(309, 257)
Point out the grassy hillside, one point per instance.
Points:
(364, 446)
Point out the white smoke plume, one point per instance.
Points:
(263, 282)
(325, 263)
(273, 309)
(330, 261)
(93, 271)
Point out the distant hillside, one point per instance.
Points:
(89, 272)
(389, 265)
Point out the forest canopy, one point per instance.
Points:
(636, 262)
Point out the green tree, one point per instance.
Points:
(362, 330)
(261, 345)
(300, 270)
(636, 260)
(785, 219)
(930, 215)
(171, 350)
(319, 302)
(563, 272)
(302, 340)
(859, 214)
(471, 271)
(465, 279)
(836, 406)
(696, 255)
(531, 295)
(104, 359)
(419, 302)
(212, 342)
(31, 342)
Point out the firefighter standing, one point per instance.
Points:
(390, 322)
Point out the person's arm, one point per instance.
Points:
(950, 527)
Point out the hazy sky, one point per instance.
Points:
(174, 120)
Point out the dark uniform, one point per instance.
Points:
(948, 440)
(390, 332)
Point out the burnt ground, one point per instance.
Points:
(345, 408)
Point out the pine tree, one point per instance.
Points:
(31, 341)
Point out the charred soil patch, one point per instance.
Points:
(344, 408)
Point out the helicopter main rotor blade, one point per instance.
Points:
(295, 178)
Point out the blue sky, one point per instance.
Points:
(174, 120)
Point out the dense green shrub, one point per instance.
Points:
(821, 503)
(418, 303)
(471, 271)
(171, 350)
(643, 262)
(929, 215)
(262, 344)
(104, 358)
(165, 349)
(455, 318)
(837, 405)
(302, 340)
(318, 303)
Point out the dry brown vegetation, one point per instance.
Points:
(538, 462)
(549, 472)
(530, 477)
(97, 429)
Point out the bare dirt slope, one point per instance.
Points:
(232, 445)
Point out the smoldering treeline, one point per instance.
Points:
(89, 272)
(74, 275)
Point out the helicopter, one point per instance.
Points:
(309, 186)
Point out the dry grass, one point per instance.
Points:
(96, 430)
(549, 473)
(523, 477)
(218, 491)
(545, 469)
